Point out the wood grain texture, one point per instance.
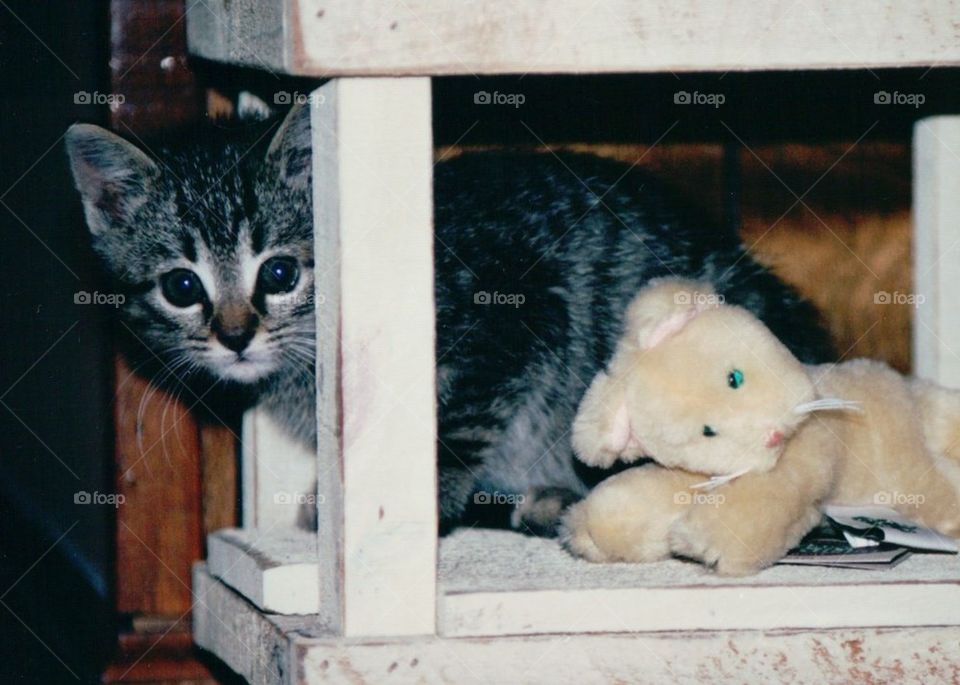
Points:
(218, 468)
(148, 56)
(160, 655)
(427, 37)
(157, 470)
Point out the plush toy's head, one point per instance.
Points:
(694, 384)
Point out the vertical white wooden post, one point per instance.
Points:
(936, 254)
(373, 209)
(278, 473)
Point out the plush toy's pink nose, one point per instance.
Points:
(775, 439)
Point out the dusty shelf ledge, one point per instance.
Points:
(501, 583)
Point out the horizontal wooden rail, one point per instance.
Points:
(434, 37)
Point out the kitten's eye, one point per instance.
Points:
(708, 432)
(735, 378)
(181, 287)
(278, 275)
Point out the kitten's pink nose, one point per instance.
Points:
(775, 439)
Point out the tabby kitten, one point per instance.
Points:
(211, 242)
(536, 258)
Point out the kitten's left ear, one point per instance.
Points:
(113, 176)
(289, 150)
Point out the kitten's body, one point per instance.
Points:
(576, 237)
(559, 246)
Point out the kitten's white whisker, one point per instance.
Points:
(156, 384)
(163, 429)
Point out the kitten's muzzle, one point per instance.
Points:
(235, 331)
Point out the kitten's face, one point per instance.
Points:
(212, 247)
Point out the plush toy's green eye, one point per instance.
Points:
(708, 432)
(735, 378)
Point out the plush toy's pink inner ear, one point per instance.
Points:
(674, 323)
(670, 326)
(622, 437)
(619, 435)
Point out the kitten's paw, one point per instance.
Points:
(540, 511)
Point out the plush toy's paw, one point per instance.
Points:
(737, 535)
(627, 516)
(717, 547)
(574, 533)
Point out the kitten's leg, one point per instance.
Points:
(458, 463)
(540, 510)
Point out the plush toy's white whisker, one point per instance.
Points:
(827, 404)
(717, 481)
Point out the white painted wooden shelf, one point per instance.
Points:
(267, 648)
(374, 596)
(493, 582)
(432, 37)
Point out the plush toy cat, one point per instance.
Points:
(748, 442)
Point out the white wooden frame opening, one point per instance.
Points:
(372, 595)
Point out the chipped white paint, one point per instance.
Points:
(276, 649)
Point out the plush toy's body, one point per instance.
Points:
(707, 391)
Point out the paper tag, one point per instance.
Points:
(858, 542)
(889, 526)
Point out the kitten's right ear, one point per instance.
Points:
(290, 149)
(113, 176)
